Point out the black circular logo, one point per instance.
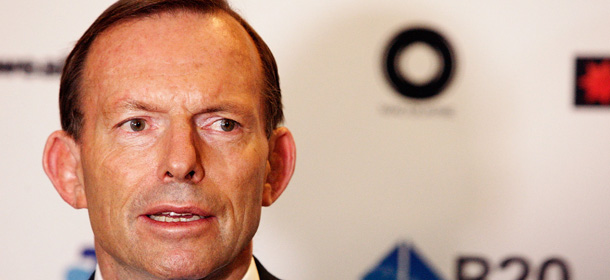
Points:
(407, 87)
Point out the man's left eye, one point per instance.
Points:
(227, 125)
(137, 124)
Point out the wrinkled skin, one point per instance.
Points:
(173, 122)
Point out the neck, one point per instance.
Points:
(234, 270)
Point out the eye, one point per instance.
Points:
(227, 125)
(135, 125)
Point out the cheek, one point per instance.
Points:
(241, 178)
(111, 175)
(246, 168)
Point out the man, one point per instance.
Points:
(170, 113)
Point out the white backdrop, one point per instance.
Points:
(515, 169)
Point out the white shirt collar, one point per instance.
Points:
(251, 274)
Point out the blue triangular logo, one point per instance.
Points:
(403, 263)
(387, 269)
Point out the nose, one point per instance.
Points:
(181, 161)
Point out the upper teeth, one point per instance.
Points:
(173, 217)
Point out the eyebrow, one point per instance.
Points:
(135, 105)
(225, 108)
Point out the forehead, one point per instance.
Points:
(173, 44)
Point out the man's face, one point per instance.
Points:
(173, 151)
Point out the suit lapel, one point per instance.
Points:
(263, 273)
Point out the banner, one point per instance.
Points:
(466, 140)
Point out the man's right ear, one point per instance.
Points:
(61, 162)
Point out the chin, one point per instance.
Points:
(182, 267)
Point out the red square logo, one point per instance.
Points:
(593, 81)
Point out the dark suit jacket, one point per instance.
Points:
(262, 272)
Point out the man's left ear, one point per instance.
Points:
(281, 161)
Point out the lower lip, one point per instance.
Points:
(178, 229)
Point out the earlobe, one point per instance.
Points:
(282, 159)
(61, 162)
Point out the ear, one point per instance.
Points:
(281, 162)
(61, 162)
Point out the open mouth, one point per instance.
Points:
(173, 217)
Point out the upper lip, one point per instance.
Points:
(158, 209)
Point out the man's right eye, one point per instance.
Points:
(135, 125)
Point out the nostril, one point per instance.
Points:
(168, 174)
(190, 175)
